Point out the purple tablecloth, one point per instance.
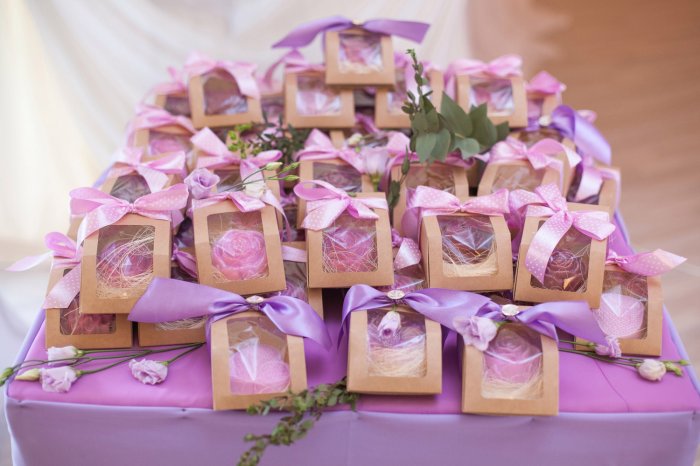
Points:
(608, 416)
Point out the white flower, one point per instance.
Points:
(273, 166)
(354, 139)
(255, 188)
(58, 379)
(31, 375)
(376, 159)
(651, 369)
(149, 372)
(63, 355)
(476, 331)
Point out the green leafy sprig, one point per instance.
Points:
(394, 192)
(268, 136)
(438, 133)
(304, 408)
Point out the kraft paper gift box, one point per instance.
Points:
(544, 94)
(222, 93)
(182, 331)
(159, 133)
(238, 251)
(449, 178)
(510, 166)
(68, 326)
(574, 272)
(243, 340)
(368, 371)
(173, 96)
(120, 260)
(297, 276)
(498, 84)
(351, 250)
(503, 381)
(310, 103)
(596, 184)
(388, 111)
(357, 57)
(468, 251)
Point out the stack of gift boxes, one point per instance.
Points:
(525, 223)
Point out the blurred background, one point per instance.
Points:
(72, 72)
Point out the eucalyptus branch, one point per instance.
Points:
(304, 408)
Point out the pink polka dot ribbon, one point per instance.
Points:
(544, 83)
(595, 225)
(505, 66)
(592, 178)
(318, 146)
(243, 72)
(649, 264)
(150, 117)
(155, 172)
(101, 209)
(540, 155)
(214, 154)
(433, 201)
(325, 203)
(408, 253)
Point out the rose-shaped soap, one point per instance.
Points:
(567, 268)
(257, 368)
(122, 260)
(514, 356)
(222, 95)
(350, 245)
(240, 255)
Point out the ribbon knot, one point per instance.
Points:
(242, 72)
(544, 83)
(648, 264)
(540, 155)
(305, 33)
(318, 146)
(433, 201)
(594, 224)
(166, 300)
(150, 117)
(325, 203)
(506, 66)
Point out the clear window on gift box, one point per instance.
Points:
(350, 245)
(567, 268)
(530, 137)
(512, 365)
(124, 260)
(177, 104)
(435, 175)
(314, 97)
(130, 187)
(258, 357)
(359, 53)
(496, 93)
(272, 106)
(408, 279)
(237, 244)
(468, 245)
(72, 322)
(396, 344)
(517, 176)
(222, 95)
(161, 142)
(623, 305)
(342, 176)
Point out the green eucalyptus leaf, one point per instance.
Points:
(424, 145)
(502, 131)
(479, 112)
(433, 121)
(442, 145)
(485, 132)
(419, 123)
(467, 146)
(457, 119)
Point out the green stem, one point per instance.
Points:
(597, 357)
(172, 360)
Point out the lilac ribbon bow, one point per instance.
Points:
(408, 253)
(595, 225)
(325, 203)
(585, 135)
(318, 146)
(155, 172)
(540, 155)
(307, 32)
(648, 264)
(101, 209)
(242, 72)
(543, 84)
(166, 300)
(455, 310)
(215, 154)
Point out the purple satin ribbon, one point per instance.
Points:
(585, 135)
(166, 300)
(446, 306)
(305, 34)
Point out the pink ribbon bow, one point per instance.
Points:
(544, 83)
(101, 209)
(149, 117)
(595, 225)
(408, 253)
(215, 154)
(592, 178)
(62, 249)
(540, 155)
(506, 66)
(176, 85)
(244, 73)
(649, 264)
(433, 201)
(318, 146)
(325, 203)
(155, 172)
